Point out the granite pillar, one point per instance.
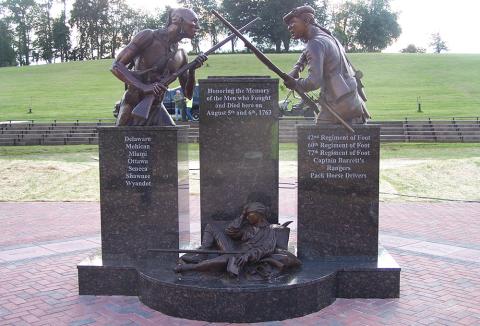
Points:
(312, 287)
(238, 146)
(338, 191)
(144, 189)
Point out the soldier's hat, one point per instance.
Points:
(255, 207)
(298, 12)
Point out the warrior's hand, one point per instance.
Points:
(290, 82)
(155, 88)
(159, 88)
(199, 60)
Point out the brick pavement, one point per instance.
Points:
(27, 222)
(456, 223)
(437, 288)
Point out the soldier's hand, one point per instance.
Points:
(241, 260)
(199, 60)
(244, 213)
(294, 74)
(290, 82)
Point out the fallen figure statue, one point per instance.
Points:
(249, 244)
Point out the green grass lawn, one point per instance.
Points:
(70, 173)
(71, 153)
(448, 85)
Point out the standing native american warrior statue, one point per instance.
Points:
(154, 56)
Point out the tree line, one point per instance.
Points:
(96, 29)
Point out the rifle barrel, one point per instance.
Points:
(142, 109)
(217, 46)
(230, 37)
(197, 251)
(249, 45)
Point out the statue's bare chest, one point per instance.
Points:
(160, 54)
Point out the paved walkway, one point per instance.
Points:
(437, 246)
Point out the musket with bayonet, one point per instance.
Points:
(284, 76)
(142, 109)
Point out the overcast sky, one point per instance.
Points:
(456, 21)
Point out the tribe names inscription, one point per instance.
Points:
(339, 157)
(238, 102)
(138, 152)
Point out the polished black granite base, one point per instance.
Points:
(338, 191)
(144, 188)
(311, 288)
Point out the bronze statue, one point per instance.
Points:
(248, 243)
(329, 70)
(285, 77)
(154, 55)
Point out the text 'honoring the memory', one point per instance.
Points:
(238, 102)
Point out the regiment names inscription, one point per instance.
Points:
(338, 188)
(338, 156)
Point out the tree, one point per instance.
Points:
(43, 31)
(366, 26)
(438, 44)
(81, 20)
(271, 30)
(346, 19)
(90, 17)
(124, 22)
(102, 28)
(118, 17)
(7, 53)
(209, 24)
(238, 13)
(411, 48)
(131, 24)
(148, 21)
(379, 26)
(20, 15)
(61, 37)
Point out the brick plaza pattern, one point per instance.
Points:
(436, 244)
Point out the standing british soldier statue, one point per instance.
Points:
(328, 70)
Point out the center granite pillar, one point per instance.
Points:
(238, 146)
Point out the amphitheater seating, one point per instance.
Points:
(77, 132)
